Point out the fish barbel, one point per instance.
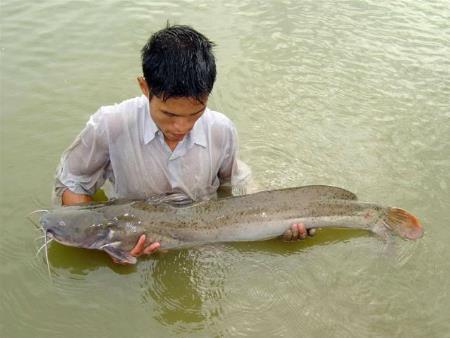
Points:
(115, 226)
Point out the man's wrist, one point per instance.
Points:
(68, 197)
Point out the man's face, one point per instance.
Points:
(176, 116)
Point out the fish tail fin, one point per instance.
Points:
(403, 223)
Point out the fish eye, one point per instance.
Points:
(61, 223)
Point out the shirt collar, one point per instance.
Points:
(197, 133)
(148, 125)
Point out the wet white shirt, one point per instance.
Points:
(123, 145)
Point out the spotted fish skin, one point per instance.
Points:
(115, 226)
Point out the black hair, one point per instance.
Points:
(178, 61)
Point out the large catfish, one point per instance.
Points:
(115, 226)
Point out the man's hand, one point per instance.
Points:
(296, 232)
(140, 248)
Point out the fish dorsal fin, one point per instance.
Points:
(321, 192)
(332, 192)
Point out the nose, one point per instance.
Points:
(182, 125)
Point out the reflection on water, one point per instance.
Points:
(198, 289)
(184, 288)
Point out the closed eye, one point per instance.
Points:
(169, 114)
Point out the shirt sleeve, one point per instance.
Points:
(83, 166)
(234, 174)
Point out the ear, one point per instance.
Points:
(143, 85)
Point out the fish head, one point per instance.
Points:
(74, 226)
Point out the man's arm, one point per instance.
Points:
(81, 170)
(69, 197)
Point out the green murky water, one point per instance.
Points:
(348, 93)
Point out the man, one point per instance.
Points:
(164, 141)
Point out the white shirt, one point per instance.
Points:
(122, 144)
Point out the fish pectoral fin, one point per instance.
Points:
(119, 254)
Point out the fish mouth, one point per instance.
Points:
(59, 235)
(53, 231)
(87, 242)
(51, 234)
